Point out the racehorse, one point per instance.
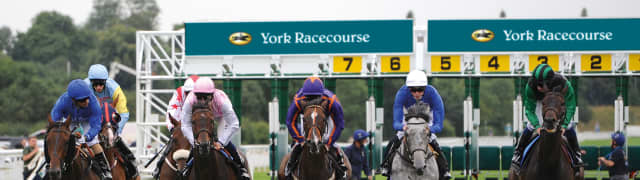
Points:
(176, 160)
(208, 164)
(315, 162)
(107, 141)
(414, 158)
(549, 157)
(65, 159)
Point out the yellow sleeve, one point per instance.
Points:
(121, 104)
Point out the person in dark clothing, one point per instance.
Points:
(357, 155)
(616, 160)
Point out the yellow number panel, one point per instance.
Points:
(595, 62)
(551, 60)
(495, 63)
(347, 64)
(445, 63)
(395, 63)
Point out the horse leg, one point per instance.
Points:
(283, 164)
(443, 165)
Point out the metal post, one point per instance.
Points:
(279, 91)
(233, 88)
(376, 91)
(472, 85)
(622, 86)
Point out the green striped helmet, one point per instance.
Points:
(542, 73)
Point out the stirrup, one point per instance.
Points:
(446, 175)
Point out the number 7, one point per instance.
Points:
(350, 59)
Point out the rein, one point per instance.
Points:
(212, 135)
(314, 125)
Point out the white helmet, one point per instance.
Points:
(416, 78)
(188, 84)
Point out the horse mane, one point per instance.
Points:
(418, 110)
(315, 101)
(200, 105)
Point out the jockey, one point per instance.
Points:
(616, 161)
(204, 91)
(311, 89)
(416, 89)
(543, 80)
(109, 115)
(108, 90)
(83, 107)
(175, 110)
(177, 100)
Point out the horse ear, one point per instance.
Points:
(173, 120)
(50, 120)
(67, 122)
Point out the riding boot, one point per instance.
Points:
(443, 165)
(244, 173)
(103, 166)
(522, 143)
(341, 170)
(293, 160)
(577, 156)
(385, 167)
(163, 155)
(131, 167)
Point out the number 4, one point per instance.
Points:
(493, 62)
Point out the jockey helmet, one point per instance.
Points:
(204, 85)
(188, 84)
(618, 137)
(416, 78)
(78, 90)
(312, 86)
(542, 73)
(360, 135)
(98, 71)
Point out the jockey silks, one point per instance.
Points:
(223, 112)
(334, 112)
(64, 107)
(404, 99)
(113, 95)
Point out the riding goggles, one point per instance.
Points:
(96, 82)
(416, 89)
(204, 96)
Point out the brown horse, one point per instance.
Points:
(208, 164)
(550, 157)
(176, 160)
(107, 138)
(65, 159)
(315, 161)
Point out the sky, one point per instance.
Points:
(17, 14)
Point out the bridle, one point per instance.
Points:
(203, 121)
(71, 149)
(314, 124)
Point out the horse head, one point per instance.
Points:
(110, 120)
(180, 146)
(203, 128)
(60, 145)
(417, 135)
(553, 109)
(314, 123)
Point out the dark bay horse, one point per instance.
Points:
(550, 157)
(107, 141)
(208, 163)
(315, 162)
(415, 159)
(65, 159)
(176, 160)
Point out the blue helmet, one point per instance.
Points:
(78, 89)
(618, 137)
(360, 135)
(98, 71)
(312, 86)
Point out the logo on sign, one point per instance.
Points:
(240, 38)
(483, 35)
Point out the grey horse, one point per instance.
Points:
(413, 159)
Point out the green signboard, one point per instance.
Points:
(299, 37)
(533, 35)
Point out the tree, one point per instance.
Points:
(105, 14)
(143, 14)
(6, 40)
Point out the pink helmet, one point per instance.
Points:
(188, 84)
(204, 85)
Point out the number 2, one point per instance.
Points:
(595, 62)
(350, 59)
(493, 62)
